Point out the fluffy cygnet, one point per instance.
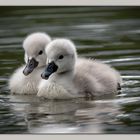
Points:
(67, 76)
(25, 79)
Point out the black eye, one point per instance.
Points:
(61, 57)
(40, 52)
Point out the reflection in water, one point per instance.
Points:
(77, 115)
(110, 34)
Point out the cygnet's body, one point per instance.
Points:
(25, 79)
(71, 77)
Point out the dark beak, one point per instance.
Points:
(51, 68)
(30, 66)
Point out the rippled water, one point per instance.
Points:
(111, 34)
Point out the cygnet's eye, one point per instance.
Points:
(40, 52)
(61, 57)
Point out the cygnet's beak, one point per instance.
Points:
(51, 68)
(30, 66)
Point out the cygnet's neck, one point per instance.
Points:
(63, 75)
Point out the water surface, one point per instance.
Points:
(110, 34)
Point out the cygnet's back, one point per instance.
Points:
(95, 76)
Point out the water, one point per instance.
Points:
(110, 34)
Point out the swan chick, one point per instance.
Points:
(26, 78)
(68, 76)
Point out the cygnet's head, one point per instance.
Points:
(61, 57)
(34, 46)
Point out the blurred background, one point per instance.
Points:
(111, 34)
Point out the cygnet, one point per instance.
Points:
(25, 79)
(68, 76)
